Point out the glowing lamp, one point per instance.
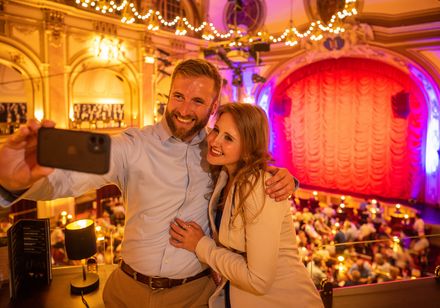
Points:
(80, 241)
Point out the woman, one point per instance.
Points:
(257, 251)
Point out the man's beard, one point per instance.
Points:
(183, 133)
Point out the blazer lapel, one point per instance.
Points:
(212, 208)
(225, 225)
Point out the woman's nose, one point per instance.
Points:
(217, 140)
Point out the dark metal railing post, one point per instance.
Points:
(326, 292)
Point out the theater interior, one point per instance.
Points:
(351, 89)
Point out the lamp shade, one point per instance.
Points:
(80, 239)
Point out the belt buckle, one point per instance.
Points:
(150, 284)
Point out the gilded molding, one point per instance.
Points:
(2, 27)
(105, 28)
(54, 24)
(25, 29)
(177, 44)
(16, 58)
(353, 39)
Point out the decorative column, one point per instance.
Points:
(56, 107)
(147, 91)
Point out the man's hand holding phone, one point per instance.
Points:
(18, 157)
(36, 148)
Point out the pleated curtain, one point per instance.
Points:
(334, 127)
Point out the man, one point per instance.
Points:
(162, 173)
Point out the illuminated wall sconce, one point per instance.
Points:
(149, 59)
(39, 114)
(107, 49)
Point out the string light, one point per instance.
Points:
(290, 36)
(180, 28)
(153, 24)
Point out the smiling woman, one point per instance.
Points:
(224, 143)
(259, 268)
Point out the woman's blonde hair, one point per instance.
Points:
(253, 127)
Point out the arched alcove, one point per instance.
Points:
(21, 81)
(336, 128)
(13, 99)
(110, 87)
(99, 97)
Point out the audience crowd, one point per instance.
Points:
(339, 243)
(356, 245)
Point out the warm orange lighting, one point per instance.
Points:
(79, 224)
(180, 28)
(107, 49)
(39, 114)
(153, 24)
(149, 59)
(291, 36)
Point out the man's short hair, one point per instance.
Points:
(199, 68)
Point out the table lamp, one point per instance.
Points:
(80, 241)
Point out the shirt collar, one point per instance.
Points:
(164, 133)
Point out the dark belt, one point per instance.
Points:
(159, 282)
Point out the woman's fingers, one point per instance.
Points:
(176, 232)
(176, 243)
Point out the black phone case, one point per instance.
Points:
(73, 150)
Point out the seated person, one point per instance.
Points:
(363, 268)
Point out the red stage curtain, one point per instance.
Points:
(334, 128)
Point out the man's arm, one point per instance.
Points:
(18, 159)
(281, 185)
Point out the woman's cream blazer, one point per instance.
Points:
(260, 259)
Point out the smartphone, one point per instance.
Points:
(73, 150)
